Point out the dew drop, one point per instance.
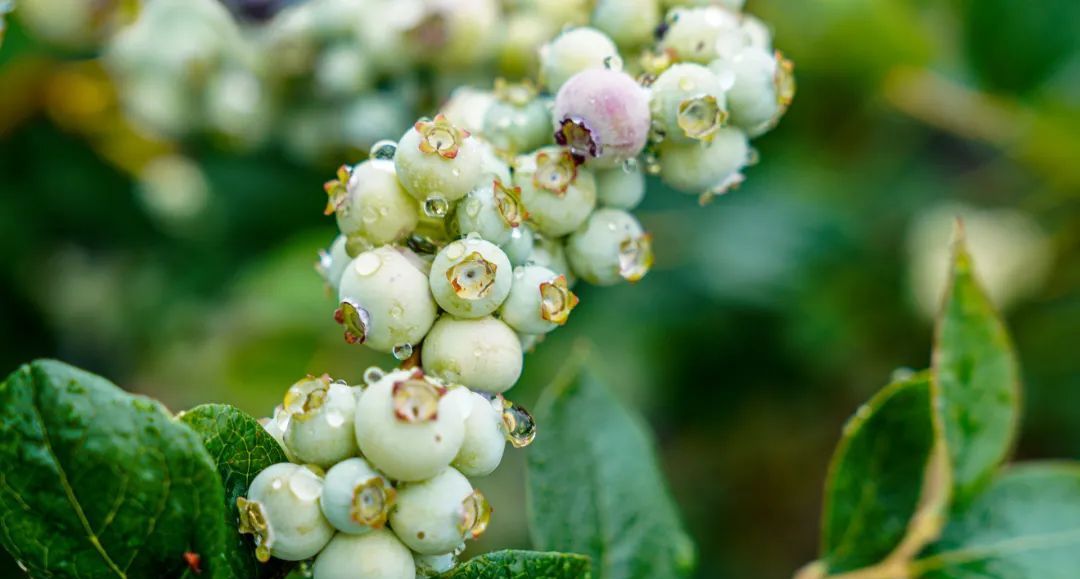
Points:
(519, 425)
(335, 419)
(366, 263)
(609, 62)
(630, 165)
(305, 485)
(473, 236)
(383, 150)
(384, 211)
(403, 351)
(396, 311)
(373, 375)
(369, 216)
(455, 250)
(686, 84)
(436, 206)
(472, 206)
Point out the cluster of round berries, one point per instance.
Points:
(376, 486)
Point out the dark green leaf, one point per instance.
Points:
(978, 380)
(241, 448)
(880, 478)
(522, 565)
(595, 486)
(1026, 525)
(99, 483)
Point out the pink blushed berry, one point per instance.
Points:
(602, 116)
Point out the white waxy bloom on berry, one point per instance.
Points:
(763, 90)
(409, 425)
(483, 354)
(559, 194)
(470, 278)
(281, 510)
(519, 119)
(492, 211)
(602, 116)
(384, 299)
(369, 203)
(688, 104)
(609, 248)
(539, 301)
(492, 166)
(519, 249)
(436, 516)
(434, 565)
(356, 499)
(332, 262)
(621, 187)
(549, 252)
(467, 107)
(630, 23)
(758, 34)
(701, 34)
(485, 440)
(712, 168)
(320, 421)
(376, 555)
(573, 51)
(438, 162)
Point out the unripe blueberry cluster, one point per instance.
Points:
(377, 485)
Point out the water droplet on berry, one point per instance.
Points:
(335, 419)
(518, 424)
(475, 515)
(472, 206)
(369, 215)
(609, 62)
(366, 263)
(473, 236)
(630, 165)
(455, 250)
(403, 351)
(305, 485)
(396, 311)
(383, 150)
(436, 206)
(373, 375)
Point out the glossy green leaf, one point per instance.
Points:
(882, 482)
(595, 486)
(522, 565)
(241, 448)
(978, 380)
(99, 483)
(1026, 525)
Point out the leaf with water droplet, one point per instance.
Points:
(88, 490)
(593, 475)
(241, 448)
(512, 564)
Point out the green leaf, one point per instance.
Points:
(885, 489)
(99, 483)
(595, 486)
(522, 565)
(1026, 525)
(241, 448)
(978, 380)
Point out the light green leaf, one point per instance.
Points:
(99, 483)
(888, 482)
(1026, 525)
(595, 486)
(522, 565)
(241, 448)
(978, 380)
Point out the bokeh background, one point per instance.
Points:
(182, 267)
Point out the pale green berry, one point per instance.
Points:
(434, 565)
(320, 426)
(525, 32)
(712, 167)
(701, 34)
(385, 300)
(275, 426)
(529, 341)
(437, 162)
(369, 203)
(609, 248)
(376, 555)
(470, 277)
(467, 107)
(687, 103)
(518, 120)
(558, 194)
(758, 34)
(411, 426)
(356, 499)
(282, 510)
(539, 301)
(630, 23)
(482, 450)
(483, 354)
(492, 211)
(549, 252)
(332, 262)
(573, 51)
(468, 31)
(620, 188)
(519, 249)
(436, 516)
(763, 88)
(492, 166)
(343, 70)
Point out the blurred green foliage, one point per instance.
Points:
(772, 313)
